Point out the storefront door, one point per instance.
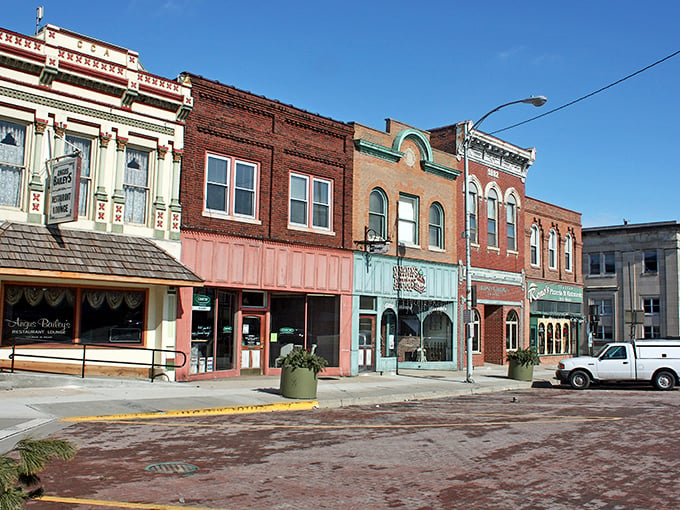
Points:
(252, 340)
(366, 343)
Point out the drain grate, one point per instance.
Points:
(172, 468)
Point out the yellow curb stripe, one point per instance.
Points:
(213, 411)
(118, 504)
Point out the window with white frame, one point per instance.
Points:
(12, 145)
(231, 186)
(377, 213)
(473, 195)
(84, 146)
(568, 253)
(136, 185)
(511, 222)
(492, 218)
(534, 244)
(436, 227)
(511, 331)
(651, 306)
(309, 202)
(475, 331)
(408, 219)
(552, 250)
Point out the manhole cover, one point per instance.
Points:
(172, 467)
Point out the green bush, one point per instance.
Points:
(301, 358)
(524, 357)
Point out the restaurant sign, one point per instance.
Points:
(409, 278)
(554, 292)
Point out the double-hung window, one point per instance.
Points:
(136, 185)
(472, 211)
(310, 202)
(408, 220)
(511, 220)
(377, 213)
(230, 186)
(84, 146)
(552, 250)
(568, 253)
(534, 246)
(12, 144)
(436, 227)
(492, 218)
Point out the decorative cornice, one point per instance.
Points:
(316, 129)
(227, 136)
(310, 157)
(440, 170)
(377, 150)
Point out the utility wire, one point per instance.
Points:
(588, 95)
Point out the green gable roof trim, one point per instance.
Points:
(440, 170)
(378, 151)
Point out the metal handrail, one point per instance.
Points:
(84, 359)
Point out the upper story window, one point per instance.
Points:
(568, 253)
(310, 202)
(377, 213)
(136, 185)
(436, 228)
(552, 250)
(408, 219)
(651, 306)
(601, 264)
(492, 218)
(84, 146)
(511, 221)
(650, 265)
(534, 245)
(473, 195)
(231, 192)
(12, 145)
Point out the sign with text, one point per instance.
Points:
(409, 278)
(64, 187)
(554, 292)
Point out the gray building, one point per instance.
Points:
(631, 281)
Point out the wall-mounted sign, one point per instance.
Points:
(553, 292)
(62, 205)
(409, 278)
(201, 302)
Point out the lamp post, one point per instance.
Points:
(536, 101)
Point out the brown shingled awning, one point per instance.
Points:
(53, 252)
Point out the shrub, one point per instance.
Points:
(524, 357)
(301, 358)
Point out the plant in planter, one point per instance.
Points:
(299, 373)
(521, 363)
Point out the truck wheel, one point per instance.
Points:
(579, 380)
(664, 380)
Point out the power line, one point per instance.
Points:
(588, 95)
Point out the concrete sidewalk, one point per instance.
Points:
(32, 404)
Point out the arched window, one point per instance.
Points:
(473, 195)
(566, 339)
(550, 340)
(437, 337)
(568, 253)
(511, 329)
(388, 333)
(534, 246)
(436, 226)
(492, 218)
(476, 346)
(552, 250)
(377, 212)
(511, 219)
(541, 339)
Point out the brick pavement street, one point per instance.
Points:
(537, 448)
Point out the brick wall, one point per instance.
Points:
(280, 139)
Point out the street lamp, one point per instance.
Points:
(536, 101)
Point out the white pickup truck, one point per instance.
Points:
(656, 361)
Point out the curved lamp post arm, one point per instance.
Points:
(534, 100)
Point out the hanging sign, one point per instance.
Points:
(62, 205)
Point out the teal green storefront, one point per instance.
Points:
(403, 314)
(555, 319)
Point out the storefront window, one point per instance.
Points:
(388, 331)
(437, 334)
(287, 324)
(212, 330)
(323, 327)
(37, 314)
(111, 316)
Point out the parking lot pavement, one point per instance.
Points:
(33, 403)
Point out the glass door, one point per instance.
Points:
(252, 343)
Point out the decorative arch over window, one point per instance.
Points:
(492, 217)
(511, 331)
(473, 211)
(569, 253)
(377, 212)
(511, 222)
(475, 325)
(416, 137)
(436, 226)
(552, 250)
(534, 245)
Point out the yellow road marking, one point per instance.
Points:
(571, 419)
(118, 504)
(213, 411)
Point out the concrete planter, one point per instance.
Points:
(520, 372)
(298, 382)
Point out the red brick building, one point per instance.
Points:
(266, 191)
(496, 196)
(554, 277)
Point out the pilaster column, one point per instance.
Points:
(101, 197)
(59, 133)
(160, 211)
(118, 197)
(35, 186)
(175, 207)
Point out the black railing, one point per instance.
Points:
(84, 360)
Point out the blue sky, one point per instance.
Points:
(433, 63)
